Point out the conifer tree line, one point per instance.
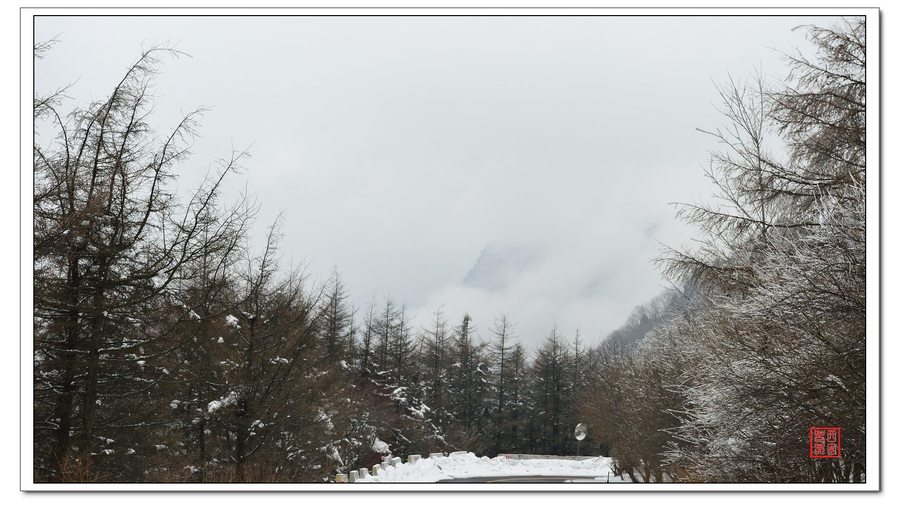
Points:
(170, 346)
(766, 335)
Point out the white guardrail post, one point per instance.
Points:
(387, 461)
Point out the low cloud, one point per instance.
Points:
(486, 164)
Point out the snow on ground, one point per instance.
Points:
(459, 466)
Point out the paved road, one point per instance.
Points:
(525, 479)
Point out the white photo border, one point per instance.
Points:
(873, 245)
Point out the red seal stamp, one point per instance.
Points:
(824, 442)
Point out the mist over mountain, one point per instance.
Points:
(643, 319)
(499, 264)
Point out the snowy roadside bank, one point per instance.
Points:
(460, 466)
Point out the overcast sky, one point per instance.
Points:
(487, 164)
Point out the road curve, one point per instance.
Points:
(524, 479)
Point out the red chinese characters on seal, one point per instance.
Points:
(824, 442)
